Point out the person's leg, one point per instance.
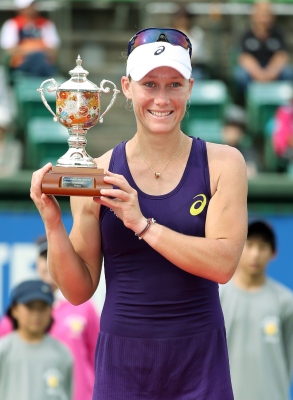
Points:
(242, 80)
(286, 74)
(241, 77)
(37, 64)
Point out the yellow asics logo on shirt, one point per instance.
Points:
(198, 206)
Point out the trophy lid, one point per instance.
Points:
(78, 80)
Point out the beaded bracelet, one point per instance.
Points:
(150, 221)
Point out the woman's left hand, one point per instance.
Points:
(123, 201)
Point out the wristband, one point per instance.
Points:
(150, 222)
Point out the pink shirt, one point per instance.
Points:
(283, 129)
(78, 328)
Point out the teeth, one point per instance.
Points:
(160, 114)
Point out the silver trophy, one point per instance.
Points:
(78, 109)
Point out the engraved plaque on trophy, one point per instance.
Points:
(78, 109)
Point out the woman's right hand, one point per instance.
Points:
(48, 206)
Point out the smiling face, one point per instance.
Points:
(159, 99)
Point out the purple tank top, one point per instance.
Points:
(148, 296)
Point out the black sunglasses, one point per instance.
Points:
(152, 35)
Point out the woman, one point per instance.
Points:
(162, 332)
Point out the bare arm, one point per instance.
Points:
(215, 256)
(86, 241)
(270, 72)
(251, 65)
(75, 266)
(276, 64)
(22, 50)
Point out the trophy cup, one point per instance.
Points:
(78, 109)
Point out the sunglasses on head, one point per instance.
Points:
(151, 35)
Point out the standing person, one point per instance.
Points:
(185, 22)
(30, 41)
(264, 55)
(75, 326)
(234, 134)
(11, 149)
(167, 234)
(258, 314)
(33, 365)
(282, 133)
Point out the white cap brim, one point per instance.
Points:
(147, 57)
(22, 3)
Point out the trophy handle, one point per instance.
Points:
(107, 90)
(50, 89)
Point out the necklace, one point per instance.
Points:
(158, 173)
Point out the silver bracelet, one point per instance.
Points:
(150, 222)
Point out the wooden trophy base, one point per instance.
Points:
(74, 181)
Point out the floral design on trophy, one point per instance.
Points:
(77, 108)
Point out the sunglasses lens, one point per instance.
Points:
(177, 39)
(172, 36)
(148, 36)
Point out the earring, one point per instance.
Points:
(188, 104)
(129, 105)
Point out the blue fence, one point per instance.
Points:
(18, 251)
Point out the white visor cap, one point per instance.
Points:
(147, 57)
(22, 3)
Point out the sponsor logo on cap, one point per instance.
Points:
(160, 50)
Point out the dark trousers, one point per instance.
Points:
(37, 64)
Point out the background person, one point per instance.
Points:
(167, 234)
(282, 133)
(258, 315)
(184, 21)
(264, 55)
(234, 134)
(11, 149)
(75, 326)
(30, 41)
(33, 365)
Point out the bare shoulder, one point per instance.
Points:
(225, 162)
(221, 152)
(222, 157)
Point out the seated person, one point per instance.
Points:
(233, 134)
(184, 21)
(264, 56)
(282, 137)
(30, 41)
(11, 149)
